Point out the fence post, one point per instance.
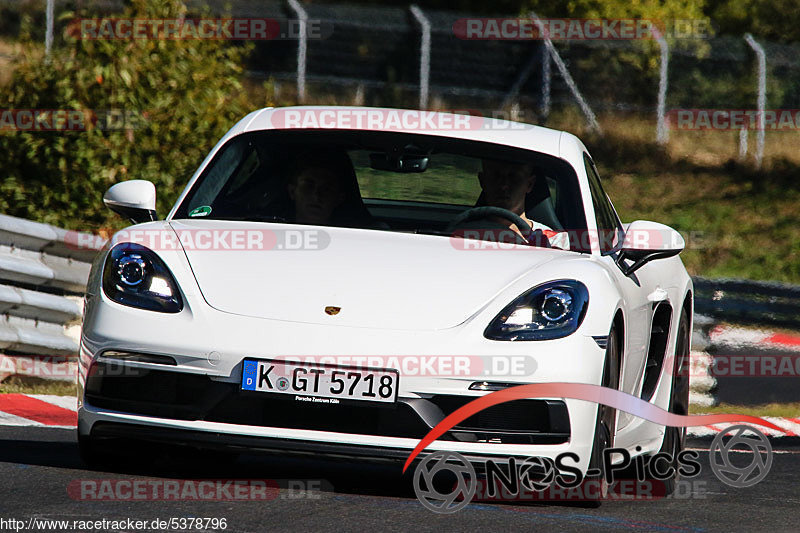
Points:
(302, 47)
(513, 92)
(424, 55)
(762, 96)
(48, 36)
(547, 74)
(562, 68)
(743, 143)
(662, 134)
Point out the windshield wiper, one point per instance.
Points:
(249, 218)
(426, 231)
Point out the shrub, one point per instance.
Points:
(185, 95)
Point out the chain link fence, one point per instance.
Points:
(404, 57)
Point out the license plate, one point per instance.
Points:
(320, 383)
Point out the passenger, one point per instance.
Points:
(316, 192)
(323, 190)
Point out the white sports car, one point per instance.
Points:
(337, 280)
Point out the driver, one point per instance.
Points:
(505, 184)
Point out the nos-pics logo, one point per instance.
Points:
(445, 482)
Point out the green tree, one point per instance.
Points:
(774, 20)
(184, 93)
(647, 9)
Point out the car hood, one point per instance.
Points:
(377, 279)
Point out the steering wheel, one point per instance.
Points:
(492, 211)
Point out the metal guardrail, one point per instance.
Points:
(748, 302)
(43, 276)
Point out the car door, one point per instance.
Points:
(635, 288)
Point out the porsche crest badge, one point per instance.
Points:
(332, 310)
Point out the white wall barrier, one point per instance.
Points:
(43, 274)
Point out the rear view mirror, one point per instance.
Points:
(133, 199)
(398, 163)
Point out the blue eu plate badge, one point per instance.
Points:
(249, 374)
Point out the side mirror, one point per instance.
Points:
(133, 199)
(646, 241)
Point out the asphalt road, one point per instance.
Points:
(741, 388)
(39, 465)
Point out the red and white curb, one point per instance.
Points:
(743, 337)
(42, 410)
(790, 427)
(701, 383)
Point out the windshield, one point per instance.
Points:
(388, 182)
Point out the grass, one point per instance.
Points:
(736, 228)
(783, 410)
(738, 221)
(34, 385)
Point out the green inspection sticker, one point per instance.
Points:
(201, 211)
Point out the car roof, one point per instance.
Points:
(476, 128)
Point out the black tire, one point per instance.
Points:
(605, 423)
(675, 438)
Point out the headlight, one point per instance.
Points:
(550, 311)
(135, 276)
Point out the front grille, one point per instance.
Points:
(259, 409)
(514, 422)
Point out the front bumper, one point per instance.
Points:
(224, 417)
(194, 397)
(208, 347)
(103, 424)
